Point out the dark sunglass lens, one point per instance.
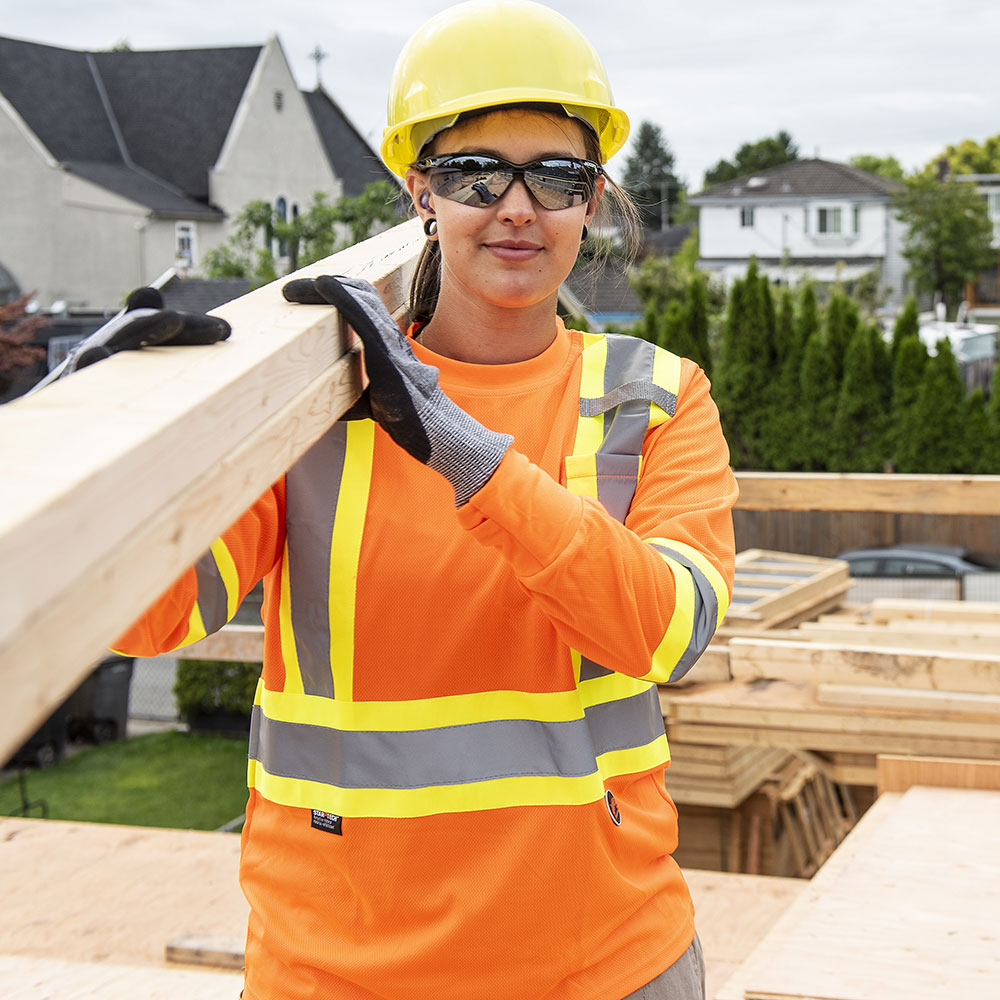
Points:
(560, 184)
(470, 180)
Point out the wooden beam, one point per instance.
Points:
(816, 662)
(866, 696)
(898, 774)
(896, 494)
(125, 472)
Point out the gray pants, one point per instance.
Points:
(684, 980)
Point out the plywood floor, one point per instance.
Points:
(89, 909)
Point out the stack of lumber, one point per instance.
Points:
(772, 590)
(905, 909)
(117, 912)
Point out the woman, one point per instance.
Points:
(457, 753)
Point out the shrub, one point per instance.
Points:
(214, 687)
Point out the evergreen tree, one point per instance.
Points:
(907, 324)
(907, 377)
(807, 319)
(785, 418)
(841, 323)
(939, 415)
(745, 369)
(672, 329)
(697, 320)
(978, 437)
(649, 177)
(858, 431)
(818, 393)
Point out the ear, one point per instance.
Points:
(420, 193)
(595, 201)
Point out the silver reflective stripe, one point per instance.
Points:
(629, 388)
(589, 669)
(313, 491)
(450, 755)
(706, 613)
(213, 599)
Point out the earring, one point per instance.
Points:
(430, 228)
(585, 231)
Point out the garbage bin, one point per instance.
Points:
(98, 709)
(46, 745)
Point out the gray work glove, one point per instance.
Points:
(142, 323)
(403, 394)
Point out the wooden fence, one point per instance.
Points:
(118, 478)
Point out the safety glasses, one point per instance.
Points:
(475, 179)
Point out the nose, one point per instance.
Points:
(516, 206)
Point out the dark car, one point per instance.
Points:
(916, 560)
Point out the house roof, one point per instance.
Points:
(351, 156)
(117, 122)
(799, 179)
(604, 288)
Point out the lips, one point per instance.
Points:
(514, 249)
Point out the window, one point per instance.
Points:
(184, 244)
(805, 219)
(828, 220)
(857, 219)
(746, 218)
(279, 100)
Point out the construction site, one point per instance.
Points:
(835, 762)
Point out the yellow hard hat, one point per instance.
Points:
(494, 52)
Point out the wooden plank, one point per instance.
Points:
(885, 609)
(943, 636)
(897, 773)
(891, 926)
(206, 949)
(99, 893)
(935, 702)
(914, 494)
(29, 978)
(712, 665)
(233, 643)
(770, 585)
(807, 662)
(126, 471)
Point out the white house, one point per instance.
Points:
(805, 218)
(116, 166)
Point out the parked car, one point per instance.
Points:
(918, 560)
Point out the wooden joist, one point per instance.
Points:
(884, 610)
(120, 476)
(815, 662)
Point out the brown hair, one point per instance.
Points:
(615, 208)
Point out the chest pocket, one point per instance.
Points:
(627, 387)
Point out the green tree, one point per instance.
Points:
(948, 234)
(698, 323)
(841, 324)
(939, 415)
(909, 364)
(884, 166)
(978, 436)
(650, 179)
(818, 398)
(859, 421)
(752, 157)
(306, 237)
(907, 324)
(969, 157)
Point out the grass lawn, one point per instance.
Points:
(184, 780)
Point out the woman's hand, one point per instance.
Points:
(403, 395)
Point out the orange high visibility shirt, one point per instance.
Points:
(578, 901)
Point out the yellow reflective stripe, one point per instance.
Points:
(590, 430)
(611, 687)
(289, 654)
(581, 472)
(708, 570)
(497, 793)
(196, 627)
(230, 578)
(423, 713)
(345, 551)
(678, 635)
(667, 375)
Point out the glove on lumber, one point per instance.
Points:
(143, 323)
(403, 394)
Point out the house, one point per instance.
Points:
(983, 294)
(117, 166)
(803, 219)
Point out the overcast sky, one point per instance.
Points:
(901, 77)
